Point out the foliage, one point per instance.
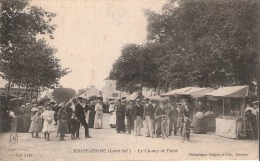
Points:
(27, 60)
(133, 69)
(196, 43)
(63, 94)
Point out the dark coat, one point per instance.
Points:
(80, 113)
(149, 111)
(129, 112)
(138, 111)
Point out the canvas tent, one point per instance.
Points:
(226, 125)
(233, 92)
(196, 92)
(174, 92)
(159, 98)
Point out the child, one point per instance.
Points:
(36, 124)
(74, 123)
(14, 121)
(62, 125)
(48, 125)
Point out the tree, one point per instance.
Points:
(27, 61)
(63, 94)
(206, 43)
(133, 69)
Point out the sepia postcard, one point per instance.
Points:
(129, 80)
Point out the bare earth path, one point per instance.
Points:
(106, 144)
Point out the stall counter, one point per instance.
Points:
(228, 127)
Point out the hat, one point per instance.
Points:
(256, 102)
(52, 102)
(27, 104)
(34, 109)
(111, 102)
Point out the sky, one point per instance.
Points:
(91, 33)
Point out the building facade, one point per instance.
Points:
(91, 91)
(110, 92)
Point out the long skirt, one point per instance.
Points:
(120, 123)
(112, 121)
(91, 118)
(20, 124)
(35, 127)
(27, 123)
(98, 121)
(62, 127)
(48, 127)
(14, 123)
(199, 126)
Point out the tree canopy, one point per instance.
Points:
(27, 60)
(195, 43)
(63, 94)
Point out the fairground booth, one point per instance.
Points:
(194, 94)
(229, 104)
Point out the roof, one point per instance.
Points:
(159, 98)
(174, 92)
(233, 92)
(196, 92)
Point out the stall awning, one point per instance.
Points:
(174, 92)
(233, 92)
(159, 98)
(196, 92)
(134, 96)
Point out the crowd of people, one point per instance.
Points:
(68, 117)
(131, 115)
(157, 118)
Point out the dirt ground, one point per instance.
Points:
(106, 144)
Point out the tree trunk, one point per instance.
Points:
(31, 94)
(37, 92)
(8, 87)
(26, 91)
(18, 92)
(258, 75)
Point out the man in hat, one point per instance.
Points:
(129, 114)
(138, 117)
(148, 117)
(80, 114)
(256, 107)
(158, 115)
(120, 117)
(180, 109)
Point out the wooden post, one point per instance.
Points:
(243, 107)
(223, 106)
(209, 105)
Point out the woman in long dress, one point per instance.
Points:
(199, 127)
(98, 115)
(112, 111)
(48, 125)
(27, 117)
(91, 116)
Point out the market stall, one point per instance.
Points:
(231, 121)
(202, 121)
